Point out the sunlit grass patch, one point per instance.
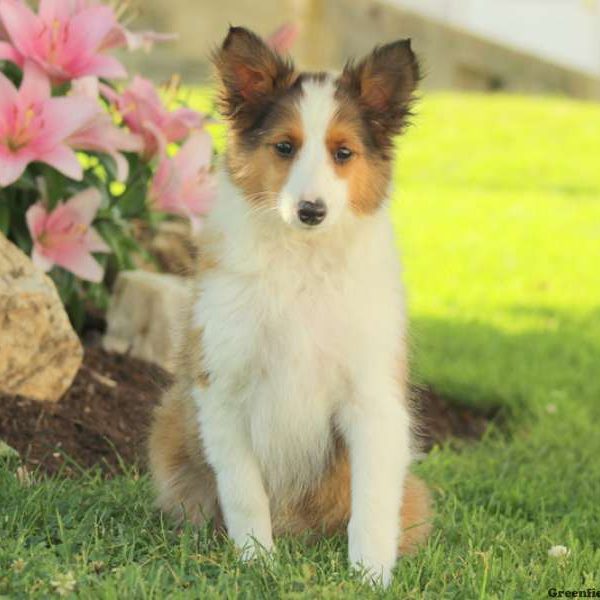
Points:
(497, 208)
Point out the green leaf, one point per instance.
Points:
(65, 284)
(56, 186)
(27, 182)
(60, 188)
(117, 241)
(4, 217)
(19, 233)
(98, 295)
(76, 311)
(12, 71)
(110, 166)
(133, 202)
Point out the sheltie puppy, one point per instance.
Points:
(289, 412)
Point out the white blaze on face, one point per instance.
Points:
(312, 175)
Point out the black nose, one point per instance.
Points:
(312, 213)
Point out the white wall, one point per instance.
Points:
(566, 32)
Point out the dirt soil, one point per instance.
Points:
(103, 419)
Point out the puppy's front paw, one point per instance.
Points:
(251, 549)
(372, 572)
(370, 556)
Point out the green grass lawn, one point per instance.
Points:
(498, 217)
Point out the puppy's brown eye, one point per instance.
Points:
(342, 155)
(285, 149)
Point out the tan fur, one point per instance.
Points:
(368, 176)
(327, 508)
(258, 171)
(248, 74)
(187, 486)
(186, 483)
(368, 181)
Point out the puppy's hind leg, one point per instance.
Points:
(184, 481)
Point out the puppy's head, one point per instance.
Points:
(312, 146)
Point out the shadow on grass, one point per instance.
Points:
(547, 357)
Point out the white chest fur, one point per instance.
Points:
(285, 323)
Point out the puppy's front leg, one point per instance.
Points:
(377, 429)
(242, 494)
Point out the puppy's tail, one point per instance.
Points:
(416, 515)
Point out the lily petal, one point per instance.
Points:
(108, 93)
(85, 204)
(88, 86)
(64, 116)
(63, 159)
(180, 122)
(22, 25)
(156, 142)
(146, 39)
(122, 166)
(89, 28)
(40, 260)
(81, 263)
(283, 39)
(55, 10)
(104, 66)
(36, 85)
(9, 52)
(95, 242)
(12, 166)
(8, 93)
(195, 154)
(36, 218)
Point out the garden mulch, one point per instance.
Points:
(103, 419)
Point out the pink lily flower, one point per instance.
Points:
(121, 37)
(183, 185)
(145, 114)
(65, 237)
(100, 134)
(7, 51)
(34, 126)
(283, 39)
(65, 38)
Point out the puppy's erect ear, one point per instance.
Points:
(251, 75)
(383, 83)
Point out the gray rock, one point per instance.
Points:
(145, 316)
